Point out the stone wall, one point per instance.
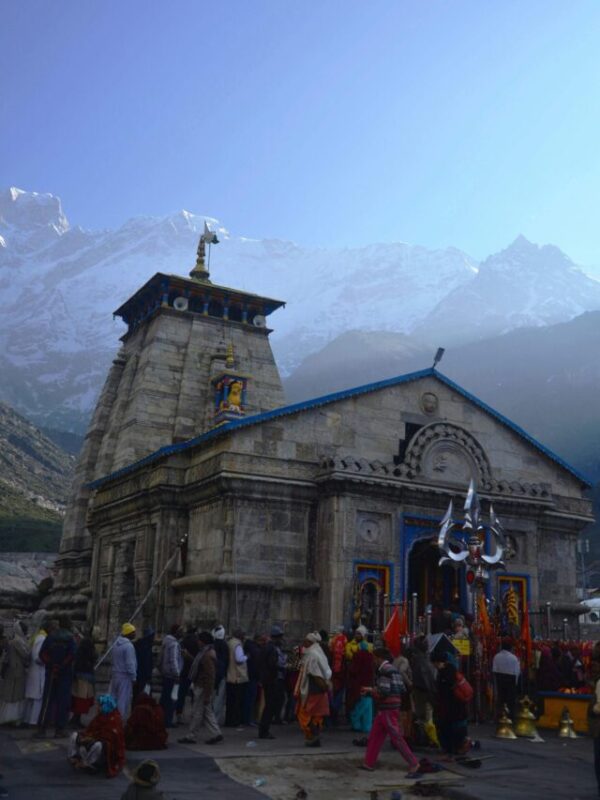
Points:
(278, 513)
(158, 392)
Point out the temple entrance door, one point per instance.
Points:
(432, 583)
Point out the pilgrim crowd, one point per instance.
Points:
(204, 682)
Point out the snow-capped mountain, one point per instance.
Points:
(524, 285)
(60, 284)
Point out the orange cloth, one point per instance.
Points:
(526, 635)
(311, 714)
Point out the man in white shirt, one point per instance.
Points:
(507, 673)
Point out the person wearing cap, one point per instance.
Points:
(146, 777)
(102, 742)
(271, 672)
(312, 690)
(124, 669)
(387, 694)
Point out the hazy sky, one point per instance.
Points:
(333, 123)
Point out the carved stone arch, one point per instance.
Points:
(449, 454)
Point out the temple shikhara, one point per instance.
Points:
(196, 476)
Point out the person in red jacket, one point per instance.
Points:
(102, 742)
(387, 694)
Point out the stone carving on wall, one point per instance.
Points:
(372, 529)
(449, 454)
(511, 551)
(429, 402)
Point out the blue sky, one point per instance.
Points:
(331, 123)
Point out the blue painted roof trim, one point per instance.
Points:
(284, 411)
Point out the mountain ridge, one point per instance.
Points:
(60, 284)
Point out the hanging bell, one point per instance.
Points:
(526, 720)
(565, 725)
(504, 729)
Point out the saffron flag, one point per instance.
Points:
(483, 615)
(392, 632)
(526, 634)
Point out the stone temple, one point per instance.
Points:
(196, 476)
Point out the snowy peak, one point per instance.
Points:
(525, 285)
(524, 258)
(60, 286)
(30, 210)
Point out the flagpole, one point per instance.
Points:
(146, 596)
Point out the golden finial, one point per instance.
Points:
(229, 359)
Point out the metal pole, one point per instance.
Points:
(414, 613)
(428, 620)
(549, 618)
(565, 629)
(584, 547)
(147, 595)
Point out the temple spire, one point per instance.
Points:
(200, 271)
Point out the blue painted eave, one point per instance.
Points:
(294, 408)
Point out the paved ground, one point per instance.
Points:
(516, 770)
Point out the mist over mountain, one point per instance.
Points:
(546, 379)
(60, 284)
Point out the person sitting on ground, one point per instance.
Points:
(102, 742)
(145, 728)
(145, 779)
(387, 694)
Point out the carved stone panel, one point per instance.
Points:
(449, 454)
(372, 530)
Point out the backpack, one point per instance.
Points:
(463, 690)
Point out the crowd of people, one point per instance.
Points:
(209, 681)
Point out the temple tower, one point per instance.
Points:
(194, 355)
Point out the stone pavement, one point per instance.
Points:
(514, 770)
(35, 770)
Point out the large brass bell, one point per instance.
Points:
(504, 729)
(565, 725)
(526, 719)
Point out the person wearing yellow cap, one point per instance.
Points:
(124, 669)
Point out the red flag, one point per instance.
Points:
(526, 634)
(391, 634)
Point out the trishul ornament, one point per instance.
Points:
(472, 554)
